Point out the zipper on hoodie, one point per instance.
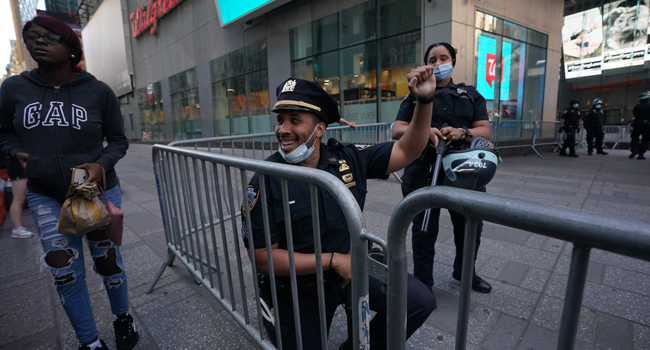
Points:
(56, 142)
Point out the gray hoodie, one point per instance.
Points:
(60, 128)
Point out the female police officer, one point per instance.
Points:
(459, 114)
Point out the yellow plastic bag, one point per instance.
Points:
(82, 211)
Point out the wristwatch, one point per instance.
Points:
(466, 132)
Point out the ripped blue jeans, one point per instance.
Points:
(70, 280)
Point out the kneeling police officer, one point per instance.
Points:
(304, 110)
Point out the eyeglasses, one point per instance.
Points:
(48, 37)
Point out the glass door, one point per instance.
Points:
(488, 82)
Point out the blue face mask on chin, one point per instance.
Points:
(299, 154)
(575, 105)
(443, 71)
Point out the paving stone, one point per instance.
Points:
(640, 337)
(538, 338)
(193, 326)
(445, 317)
(627, 280)
(511, 300)
(612, 332)
(142, 221)
(505, 335)
(535, 279)
(548, 314)
(492, 268)
(513, 273)
(24, 311)
(481, 321)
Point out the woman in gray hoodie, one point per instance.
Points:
(52, 119)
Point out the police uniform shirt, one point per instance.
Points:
(571, 117)
(353, 164)
(641, 113)
(594, 118)
(457, 105)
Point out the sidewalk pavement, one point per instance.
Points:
(528, 271)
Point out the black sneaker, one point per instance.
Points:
(632, 155)
(125, 334)
(86, 347)
(640, 156)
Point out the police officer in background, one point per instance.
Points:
(570, 125)
(641, 126)
(593, 124)
(459, 114)
(304, 111)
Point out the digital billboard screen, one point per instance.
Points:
(233, 12)
(608, 37)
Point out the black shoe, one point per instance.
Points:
(632, 155)
(603, 153)
(125, 334)
(589, 153)
(573, 155)
(86, 347)
(478, 284)
(563, 154)
(640, 156)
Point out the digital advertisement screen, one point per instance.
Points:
(486, 70)
(608, 37)
(234, 12)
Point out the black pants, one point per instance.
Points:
(569, 141)
(640, 131)
(420, 303)
(423, 243)
(597, 134)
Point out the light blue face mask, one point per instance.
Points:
(443, 71)
(299, 154)
(575, 105)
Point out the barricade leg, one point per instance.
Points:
(169, 261)
(573, 299)
(467, 275)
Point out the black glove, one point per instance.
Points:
(577, 130)
(560, 129)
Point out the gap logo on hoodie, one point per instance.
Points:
(55, 115)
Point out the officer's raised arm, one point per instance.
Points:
(422, 85)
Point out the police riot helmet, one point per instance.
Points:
(471, 168)
(574, 101)
(598, 101)
(644, 96)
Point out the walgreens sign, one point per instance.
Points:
(147, 17)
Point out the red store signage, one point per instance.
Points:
(143, 19)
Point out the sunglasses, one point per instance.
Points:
(48, 37)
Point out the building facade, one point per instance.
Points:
(606, 55)
(193, 77)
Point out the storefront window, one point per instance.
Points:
(150, 108)
(347, 56)
(511, 68)
(240, 93)
(398, 55)
(184, 93)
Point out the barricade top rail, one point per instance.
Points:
(317, 177)
(609, 233)
(207, 140)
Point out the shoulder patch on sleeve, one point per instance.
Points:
(253, 194)
(362, 147)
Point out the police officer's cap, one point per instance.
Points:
(644, 95)
(574, 101)
(308, 96)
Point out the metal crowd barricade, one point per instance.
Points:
(546, 133)
(516, 133)
(584, 230)
(201, 209)
(616, 134)
(260, 146)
